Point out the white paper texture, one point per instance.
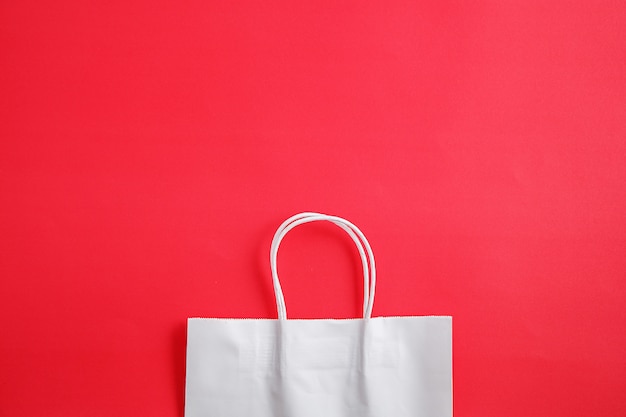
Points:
(378, 367)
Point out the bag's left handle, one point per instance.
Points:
(363, 246)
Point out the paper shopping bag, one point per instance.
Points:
(369, 367)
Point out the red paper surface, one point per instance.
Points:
(150, 149)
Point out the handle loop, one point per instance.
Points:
(363, 246)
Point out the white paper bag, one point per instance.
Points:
(370, 367)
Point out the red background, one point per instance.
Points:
(150, 149)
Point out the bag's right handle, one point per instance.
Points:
(365, 251)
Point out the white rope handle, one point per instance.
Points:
(363, 246)
(305, 218)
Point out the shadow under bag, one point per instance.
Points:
(369, 367)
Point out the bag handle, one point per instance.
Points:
(363, 246)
